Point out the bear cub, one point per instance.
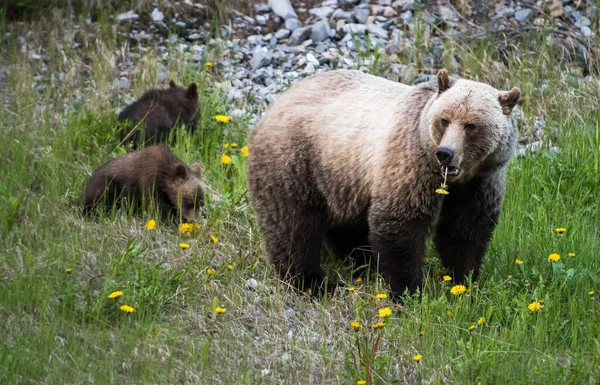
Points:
(152, 173)
(158, 111)
(353, 161)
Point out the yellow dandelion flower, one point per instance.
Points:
(226, 146)
(591, 293)
(572, 254)
(421, 333)
(223, 118)
(480, 320)
(358, 280)
(361, 382)
(447, 278)
(220, 310)
(385, 312)
(68, 270)
(560, 230)
(381, 296)
(554, 257)
(226, 159)
(355, 325)
(471, 328)
(127, 309)
(184, 246)
(151, 224)
(478, 383)
(229, 267)
(417, 358)
(210, 271)
(233, 145)
(378, 325)
(442, 191)
(518, 261)
(188, 229)
(209, 64)
(425, 260)
(123, 286)
(214, 239)
(509, 276)
(534, 306)
(115, 294)
(244, 151)
(351, 288)
(449, 314)
(458, 289)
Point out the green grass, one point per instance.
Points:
(61, 328)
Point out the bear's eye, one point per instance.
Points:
(445, 123)
(469, 127)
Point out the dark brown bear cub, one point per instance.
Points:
(157, 112)
(153, 173)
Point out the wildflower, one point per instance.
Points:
(115, 294)
(123, 286)
(449, 314)
(591, 293)
(361, 382)
(209, 64)
(471, 328)
(127, 309)
(417, 358)
(223, 118)
(442, 191)
(534, 306)
(421, 333)
(358, 280)
(151, 224)
(351, 288)
(219, 310)
(480, 320)
(425, 260)
(554, 257)
(458, 289)
(233, 145)
(447, 278)
(381, 296)
(572, 254)
(214, 239)
(560, 230)
(355, 325)
(226, 146)
(518, 261)
(184, 246)
(509, 276)
(226, 159)
(188, 229)
(244, 151)
(210, 271)
(229, 267)
(385, 312)
(68, 270)
(378, 325)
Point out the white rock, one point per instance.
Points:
(283, 9)
(377, 31)
(357, 29)
(130, 15)
(321, 13)
(157, 15)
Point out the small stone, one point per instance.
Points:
(262, 19)
(407, 17)
(261, 8)
(370, 20)
(586, 31)
(157, 15)
(180, 24)
(194, 36)
(292, 24)
(282, 33)
(351, 2)
(130, 15)
(340, 25)
(389, 12)
(252, 284)
(197, 57)
(283, 9)
(523, 14)
(357, 29)
(361, 14)
(505, 12)
(583, 22)
(310, 69)
(123, 83)
(377, 31)
(299, 36)
(310, 58)
(320, 31)
(384, 2)
(288, 313)
(330, 3)
(340, 14)
(321, 13)
(260, 58)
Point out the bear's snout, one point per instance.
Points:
(444, 155)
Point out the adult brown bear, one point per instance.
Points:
(354, 160)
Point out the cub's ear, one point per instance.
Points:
(192, 91)
(508, 99)
(196, 168)
(443, 81)
(180, 171)
(172, 84)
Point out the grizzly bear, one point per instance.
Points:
(151, 174)
(157, 112)
(355, 160)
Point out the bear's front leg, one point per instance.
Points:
(466, 224)
(398, 240)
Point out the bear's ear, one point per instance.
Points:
(180, 171)
(443, 81)
(192, 91)
(172, 84)
(196, 168)
(508, 99)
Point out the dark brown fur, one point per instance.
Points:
(157, 112)
(153, 173)
(312, 182)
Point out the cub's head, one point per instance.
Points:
(185, 191)
(470, 126)
(185, 97)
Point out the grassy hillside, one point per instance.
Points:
(57, 269)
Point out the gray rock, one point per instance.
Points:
(262, 19)
(252, 284)
(321, 13)
(197, 57)
(320, 31)
(157, 15)
(376, 30)
(361, 14)
(260, 58)
(340, 14)
(282, 33)
(357, 29)
(310, 58)
(300, 35)
(389, 12)
(310, 69)
(330, 3)
(123, 82)
(523, 14)
(261, 8)
(180, 24)
(583, 22)
(407, 17)
(283, 9)
(292, 24)
(130, 15)
(505, 12)
(384, 2)
(586, 31)
(194, 36)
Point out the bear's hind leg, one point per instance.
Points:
(350, 241)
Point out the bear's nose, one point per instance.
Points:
(444, 155)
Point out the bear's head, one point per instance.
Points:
(186, 98)
(469, 127)
(185, 191)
